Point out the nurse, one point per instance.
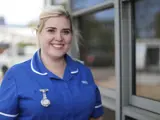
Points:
(51, 85)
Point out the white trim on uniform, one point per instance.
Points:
(76, 71)
(84, 82)
(35, 70)
(8, 115)
(98, 106)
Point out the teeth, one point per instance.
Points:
(57, 46)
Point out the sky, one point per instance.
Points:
(20, 12)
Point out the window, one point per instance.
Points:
(147, 36)
(146, 85)
(97, 47)
(81, 4)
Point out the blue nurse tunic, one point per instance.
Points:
(75, 97)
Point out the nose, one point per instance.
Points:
(58, 36)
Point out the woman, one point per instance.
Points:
(50, 86)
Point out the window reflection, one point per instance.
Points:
(97, 48)
(81, 4)
(147, 34)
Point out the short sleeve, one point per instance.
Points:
(98, 109)
(8, 98)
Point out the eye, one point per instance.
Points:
(51, 30)
(66, 32)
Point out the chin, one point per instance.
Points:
(57, 54)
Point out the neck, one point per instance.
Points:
(55, 65)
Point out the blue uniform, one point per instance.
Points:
(75, 97)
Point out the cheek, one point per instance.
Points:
(44, 40)
(69, 40)
(41, 41)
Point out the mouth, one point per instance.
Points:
(58, 46)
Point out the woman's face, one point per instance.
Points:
(55, 37)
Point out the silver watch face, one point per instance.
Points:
(45, 102)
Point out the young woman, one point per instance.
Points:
(51, 85)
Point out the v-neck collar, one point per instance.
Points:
(39, 68)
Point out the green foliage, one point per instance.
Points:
(21, 44)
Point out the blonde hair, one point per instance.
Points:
(52, 11)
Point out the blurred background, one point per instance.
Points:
(97, 22)
(18, 20)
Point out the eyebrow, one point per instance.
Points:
(51, 28)
(67, 29)
(56, 28)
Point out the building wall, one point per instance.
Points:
(111, 31)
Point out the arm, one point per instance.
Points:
(8, 98)
(98, 108)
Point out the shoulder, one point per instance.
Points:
(80, 64)
(84, 70)
(77, 60)
(12, 73)
(18, 68)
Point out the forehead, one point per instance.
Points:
(58, 22)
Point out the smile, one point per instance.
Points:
(58, 45)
